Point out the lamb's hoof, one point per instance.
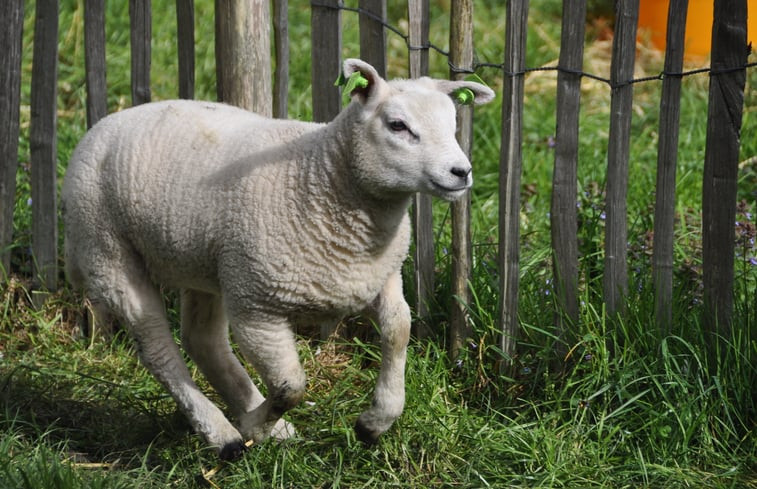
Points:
(283, 430)
(365, 435)
(232, 451)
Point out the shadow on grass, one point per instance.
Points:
(97, 422)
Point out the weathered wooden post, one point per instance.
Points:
(42, 144)
(372, 34)
(326, 31)
(563, 213)
(721, 161)
(615, 283)
(243, 54)
(11, 35)
(94, 60)
(281, 46)
(667, 158)
(185, 33)
(140, 16)
(461, 59)
(510, 167)
(423, 225)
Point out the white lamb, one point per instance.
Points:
(266, 223)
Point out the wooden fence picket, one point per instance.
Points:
(423, 225)
(418, 30)
(43, 144)
(373, 35)
(667, 159)
(11, 35)
(510, 165)
(243, 55)
(563, 212)
(281, 46)
(461, 60)
(615, 279)
(326, 33)
(94, 60)
(185, 47)
(140, 15)
(325, 51)
(721, 161)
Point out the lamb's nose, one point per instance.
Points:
(461, 172)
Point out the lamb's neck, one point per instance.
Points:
(333, 193)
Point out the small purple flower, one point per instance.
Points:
(551, 142)
(526, 370)
(29, 201)
(548, 283)
(753, 261)
(588, 357)
(603, 216)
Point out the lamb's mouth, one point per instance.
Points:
(449, 190)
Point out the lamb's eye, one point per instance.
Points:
(397, 126)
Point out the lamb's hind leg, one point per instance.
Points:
(392, 313)
(269, 345)
(133, 297)
(205, 337)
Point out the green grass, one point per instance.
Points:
(651, 413)
(629, 407)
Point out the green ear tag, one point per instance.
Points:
(465, 96)
(355, 80)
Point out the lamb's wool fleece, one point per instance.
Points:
(285, 230)
(265, 222)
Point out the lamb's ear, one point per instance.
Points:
(466, 92)
(368, 85)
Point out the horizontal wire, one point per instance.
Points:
(501, 67)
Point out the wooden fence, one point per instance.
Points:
(248, 84)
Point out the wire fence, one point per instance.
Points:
(477, 65)
(725, 78)
(727, 70)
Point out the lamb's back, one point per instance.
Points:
(188, 136)
(154, 175)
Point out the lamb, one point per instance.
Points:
(264, 225)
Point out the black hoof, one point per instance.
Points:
(232, 451)
(368, 437)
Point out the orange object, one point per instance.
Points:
(653, 16)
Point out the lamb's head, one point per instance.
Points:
(405, 138)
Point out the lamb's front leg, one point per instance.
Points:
(205, 337)
(269, 345)
(392, 313)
